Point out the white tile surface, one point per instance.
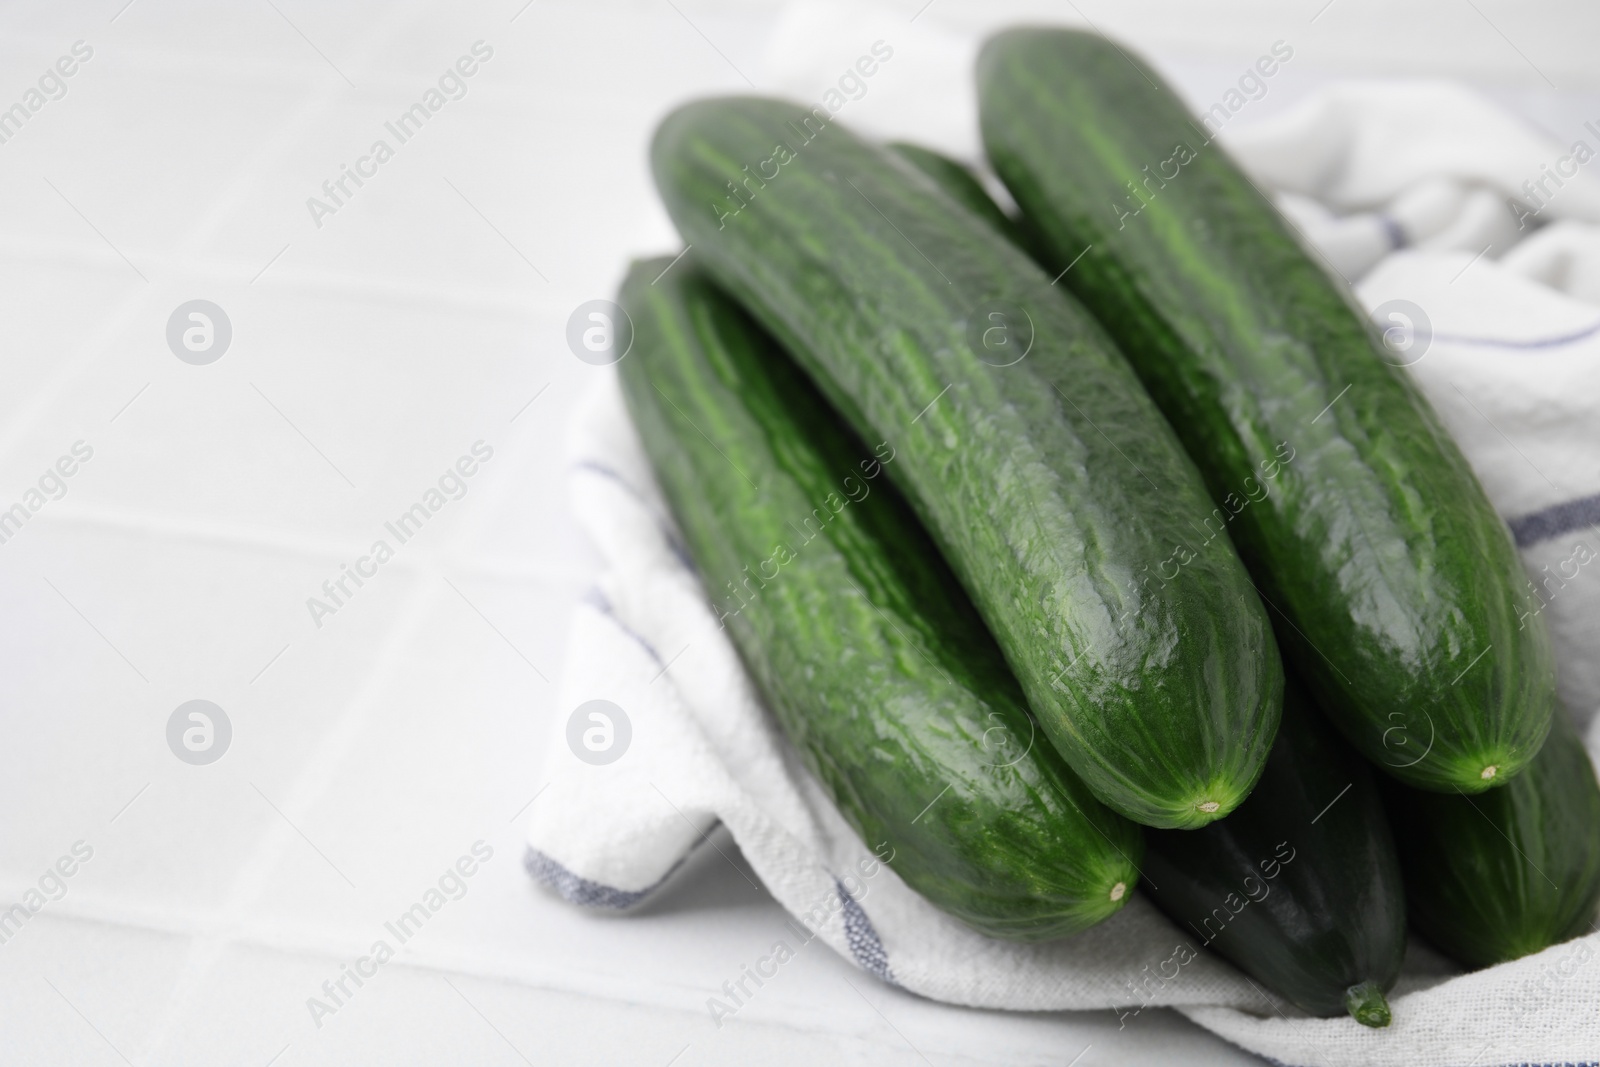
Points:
(372, 751)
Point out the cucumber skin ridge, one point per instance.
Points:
(866, 651)
(1377, 547)
(1052, 495)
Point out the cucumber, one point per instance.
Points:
(1051, 483)
(1300, 887)
(867, 652)
(1332, 938)
(1507, 873)
(1396, 587)
(957, 182)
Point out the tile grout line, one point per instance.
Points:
(304, 547)
(220, 210)
(313, 776)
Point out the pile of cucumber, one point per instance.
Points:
(1101, 547)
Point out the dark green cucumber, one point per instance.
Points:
(1397, 589)
(866, 650)
(958, 183)
(1052, 485)
(1300, 887)
(1506, 873)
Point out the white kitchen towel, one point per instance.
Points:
(666, 738)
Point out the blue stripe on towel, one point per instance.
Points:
(1541, 342)
(666, 528)
(603, 470)
(597, 600)
(576, 889)
(865, 945)
(1551, 522)
(1392, 230)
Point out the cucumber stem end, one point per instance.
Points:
(1366, 1004)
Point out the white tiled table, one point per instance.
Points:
(367, 355)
